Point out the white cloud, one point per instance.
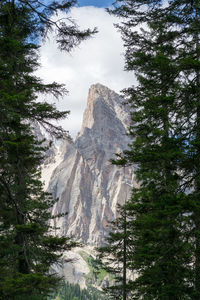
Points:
(97, 60)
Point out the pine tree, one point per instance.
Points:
(185, 16)
(28, 248)
(160, 211)
(114, 257)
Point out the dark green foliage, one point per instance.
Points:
(115, 256)
(73, 292)
(162, 216)
(28, 246)
(67, 33)
(97, 275)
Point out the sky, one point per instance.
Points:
(100, 59)
(96, 3)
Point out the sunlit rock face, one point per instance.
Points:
(87, 185)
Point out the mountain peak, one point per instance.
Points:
(99, 90)
(98, 86)
(102, 95)
(88, 186)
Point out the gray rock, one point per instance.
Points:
(88, 186)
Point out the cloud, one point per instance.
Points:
(97, 60)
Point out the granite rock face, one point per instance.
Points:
(87, 185)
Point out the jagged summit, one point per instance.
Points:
(88, 186)
(102, 90)
(102, 102)
(98, 90)
(99, 86)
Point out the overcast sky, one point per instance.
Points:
(97, 60)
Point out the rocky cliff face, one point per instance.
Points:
(87, 184)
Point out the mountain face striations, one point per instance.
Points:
(87, 185)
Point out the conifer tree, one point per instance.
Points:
(185, 16)
(28, 248)
(163, 218)
(115, 256)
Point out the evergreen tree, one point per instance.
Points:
(162, 217)
(28, 247)
(69, 291)
(115, 256)
(185, 16)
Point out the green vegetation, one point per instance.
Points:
(73, 292)
(28, 245)
(115, 257)
(158, 234)
(97, 276)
